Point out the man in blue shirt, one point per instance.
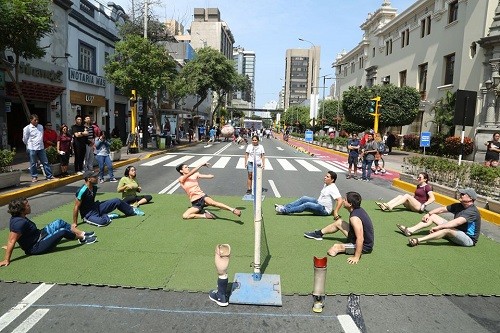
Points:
(352, 159)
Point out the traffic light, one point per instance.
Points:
(375, 105)
(133, 99)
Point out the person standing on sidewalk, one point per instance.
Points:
(369, 149)
(79, 143)
(352, 159)
(88, 161)
(49, 136)
(34, 241)
(64, 148)
(33, 139)
(103, 159)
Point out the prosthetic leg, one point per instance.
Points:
(319, 284)
(222, 253)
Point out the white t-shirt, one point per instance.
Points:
(258, 150)
(327, 195)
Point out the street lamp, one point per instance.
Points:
(323, 104)
(314, 79)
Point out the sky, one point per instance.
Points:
(270, 27)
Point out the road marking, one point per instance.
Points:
(329, 166)
(275, 189)
(22, 306)
(307, 165)
(31, 321)
(221, 162)
(348, 324)
(175, 185)
(202, 160)
(279, 148)
(218, 152)
(179, 160)
(158, 160)
(286, 165)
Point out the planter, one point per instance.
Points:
(9, 179)
(56, 169)
(494, 206)
(330, 145)
(444, 190)
(115, 155)
(481, 202)
(408, 178)
(324, 144)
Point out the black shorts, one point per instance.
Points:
(199, 203)
(352, 160)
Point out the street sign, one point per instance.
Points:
(308, 136)
(425, 139)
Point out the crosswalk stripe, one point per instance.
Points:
(202, 160)
(330, 166)
(179, 160)
(221, 162)
(307, 165)
(286, 165)
(268, 165)
(241, 163)
(158, 160)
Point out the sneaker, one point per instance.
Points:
(101, 180)
(113, 216)
(316, 234)
(355, 177)
(95, 224)
(113, 180)
(138, 212)
(88, 240)
(347, 177)
(219, 299)
(79, 173)
(89, 234)
(34, 179)
(278, 208)
(51, 178)
(249, 192)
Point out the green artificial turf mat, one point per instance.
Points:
(161, 250)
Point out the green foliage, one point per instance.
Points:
(327, 113)
(296, 116)
(115, 144)
(444, 111)
(441, 145)
(352, 127)
(6, 159)
(340, 141)
(52, 155)
(399, 105)
(157, 31)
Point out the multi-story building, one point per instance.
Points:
(244, 63)
(301, 75)
(69, 79)
(207, 29)
(434, 46)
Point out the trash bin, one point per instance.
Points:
(161, 141)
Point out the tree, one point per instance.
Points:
(399, 105)
(444, 112)
(141, 65)
(297, 116)
(208, 72)
(22, 24)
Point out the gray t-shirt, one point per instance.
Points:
(472, 225)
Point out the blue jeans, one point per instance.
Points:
(99, 214)
(305, 204)
(104, 160)
(35, 155)
(51, 236)
(366, 169)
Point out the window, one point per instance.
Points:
(405, 38)
(453, 11)
(361, 62)
(449, 63)
(388, 47)
(353, 67)
(373, 53)
(422, 77)
(402, 79)
(425, 27)
(86, 60)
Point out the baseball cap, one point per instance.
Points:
(89, 174)
(469, 191)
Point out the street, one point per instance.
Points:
(288, 174)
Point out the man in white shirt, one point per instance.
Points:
(322, 206)
(33, 139)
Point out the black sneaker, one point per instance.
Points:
(88, 240)
(249, 191)
(219, 299)
(89, 233)
(316, 234)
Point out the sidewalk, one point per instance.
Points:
(27, 189)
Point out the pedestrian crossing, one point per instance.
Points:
(238, 162)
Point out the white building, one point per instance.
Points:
(434, 46)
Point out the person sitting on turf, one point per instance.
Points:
(359, 230)
(129, 187)
(322, 206)
(199, 200)
(462, 230)
(417, 202)
(95, 212)
(34, 241)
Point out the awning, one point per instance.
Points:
(34, 91)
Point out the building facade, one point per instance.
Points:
(244, 64)
(434, 46)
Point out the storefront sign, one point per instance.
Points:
(76, 75)
(52, 75)
(79, 98)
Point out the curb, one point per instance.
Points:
(445, 201)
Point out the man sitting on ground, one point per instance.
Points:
(34, 241)
(359, 230)
(95, 212)
(463, 230)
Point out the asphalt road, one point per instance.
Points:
(75, 308)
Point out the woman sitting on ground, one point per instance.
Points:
(129, 188)
(422, 198)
